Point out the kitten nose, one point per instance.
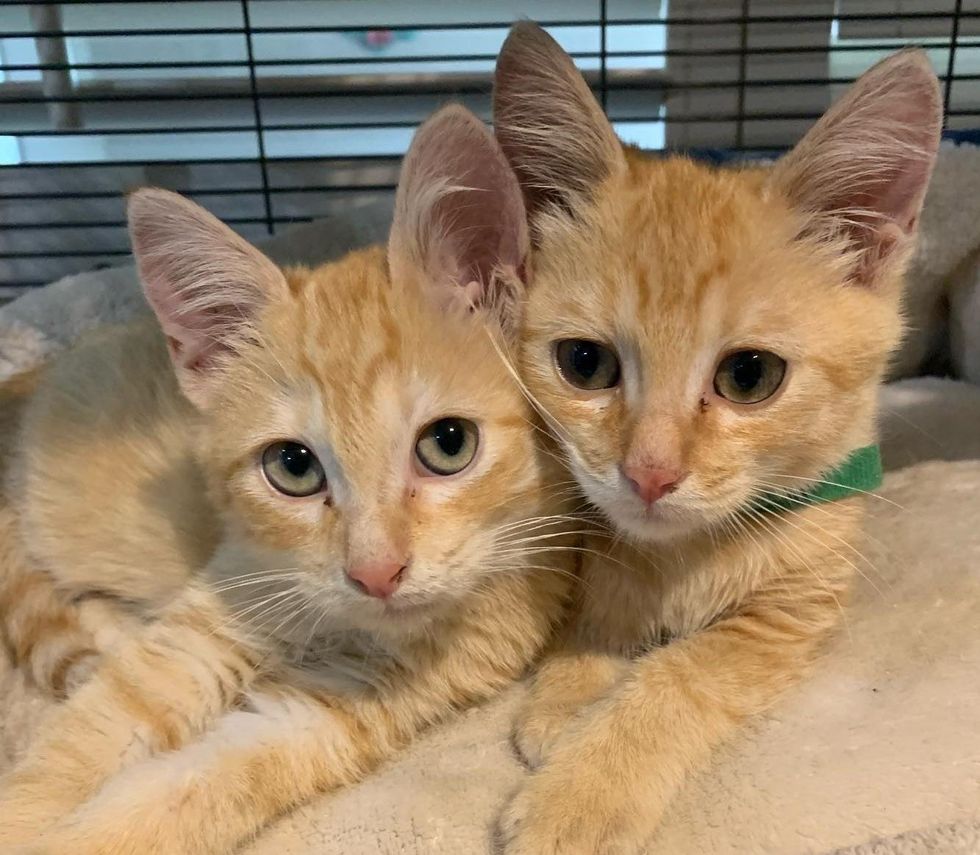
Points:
(651, 483)
(377, 578)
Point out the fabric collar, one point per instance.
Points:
(860, 473)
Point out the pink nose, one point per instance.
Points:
(377, 578)
(651, 483)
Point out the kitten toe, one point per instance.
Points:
(562, 810)
(532, 824)
(534, 737)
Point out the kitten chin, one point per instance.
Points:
(658, 524)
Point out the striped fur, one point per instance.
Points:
(44, 631)
(703, 612)
(263, 676)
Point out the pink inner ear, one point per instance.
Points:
(892, 189)
(196, 336)
(479, 227)
(203, 281)
(867, 162)
(198, 320)
(459, 215)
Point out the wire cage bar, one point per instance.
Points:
(273, 112)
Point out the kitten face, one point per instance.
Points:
(674, 269)
(355, 368)
(364, 438)
(697, 337)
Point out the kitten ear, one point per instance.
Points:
(549, 123)
(203, 281)
(459, 218)
(863, 169)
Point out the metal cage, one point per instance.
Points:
(271, 112)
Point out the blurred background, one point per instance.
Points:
(271, 112)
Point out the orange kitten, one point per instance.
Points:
(333, 498)
(706, 346)
(41, 630)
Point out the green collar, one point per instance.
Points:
(859, 473)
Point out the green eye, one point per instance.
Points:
(587, 364)
(293, 469)
(749, 376)
(447, 445)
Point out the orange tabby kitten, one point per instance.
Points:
(52, 639)
(333, 496)
(706, 345)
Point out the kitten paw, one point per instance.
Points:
(28, 806)
(16, 831)
(20, 820)
(535, 735)
(554, 814)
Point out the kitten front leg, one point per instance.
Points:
(257, 764)
(610, 777)
(214, 794)
(566, 682)
(153, 694)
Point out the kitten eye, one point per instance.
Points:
(293, 469)
(749, 376)
(587, 364)
(447, 445)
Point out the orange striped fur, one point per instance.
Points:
(263, 675)
(702, 612)
(44, 632)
